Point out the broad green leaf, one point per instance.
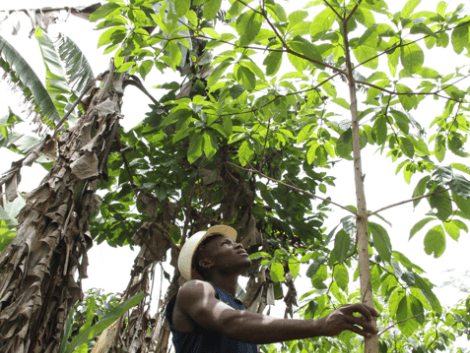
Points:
(409, 7)
(394, 301)
(182, 7)
(381, 241)
(380, 130)
(322, 23)
(209, 147)
(29, 79)
(195, 147)
(401, 120)
(460, 186)
(295, 18)
(6, 235)
(302, 46)
(344, 145)
(435, 241)
(56, 82)
(363, 54)
(105, 10)
(211, 7)
(462, 203)
(174, 116)
(246, 77)
(313, 268)
(440, 147)
(236, 91)
(427, 292)
(245, 153)
(341, 276)
(105, 322)
(404, 313)
(277, 272)
(460, 38)
(273, 62)
(112, 35)
(218, 72)
(311, 154)
(407, 147)
(341, 248)
(407, 99)
(443, 204)
(452, 229)
(248, 26)
(294, 266)
(418, 226)
(393, 57)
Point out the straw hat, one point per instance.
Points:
(185, 258)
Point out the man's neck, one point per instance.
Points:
(226, 283)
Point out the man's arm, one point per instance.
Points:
(197, 300)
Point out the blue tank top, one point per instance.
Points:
(204, 341)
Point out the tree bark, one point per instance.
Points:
(37, 282)
(371, 344)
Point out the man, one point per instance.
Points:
(206, 317)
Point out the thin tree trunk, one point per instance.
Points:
(371, 344)
(37, 285)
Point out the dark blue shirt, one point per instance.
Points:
(204, 341)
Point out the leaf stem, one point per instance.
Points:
(253, 170)
(331, 7)
(406, 201)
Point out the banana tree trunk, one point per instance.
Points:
(371, 344)
(37, 285)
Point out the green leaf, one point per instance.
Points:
(245, 153)
(182, 7)
(380, 130)
(462, 203)
(105, 10)
(460, 186)
(273, 62)
(407, 147)
(195, 147)
(435, 241)
(66, 333)
(402, 120)
(277, 272)
(112, 35)
(218, 72)
(295, 18)
(29, 79)
(440, 147)
(381, 241)
(303, 46)
(404, 313)
(408, 100)
(174, 116)
(313, 268)
(211, 7)
(209, 147)
(443, 204)
(344, 145)
(341, 276)
(246, 77)
(236, 91)
(421, 284)
(460, 38)
(452, 229)
(364, 53)
(341, 248)
(418, 226)
(294, 266)
(311, 154)
(105, 322)
(322, 23)
(409, 7)
(248, 26)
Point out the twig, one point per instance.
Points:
(294, 188)
(331, 7)
(399, 322)
(386, 117)
(188, 210)
(352, 11)
(406, 201)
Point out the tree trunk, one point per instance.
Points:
(37, 285)
(371, 344)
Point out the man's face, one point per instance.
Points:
(226, 255)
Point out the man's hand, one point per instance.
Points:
(343, 319)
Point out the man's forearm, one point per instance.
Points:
(244, 326)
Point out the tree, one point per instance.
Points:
(232, 145)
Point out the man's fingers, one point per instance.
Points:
(364, 309)
(357, 330)
(366, 325)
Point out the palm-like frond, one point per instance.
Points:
(78, 69)
(22, 76)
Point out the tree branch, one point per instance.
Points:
(293, 187)
(331, 7)
(406, 201)
(399, 322)
(352, 12)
